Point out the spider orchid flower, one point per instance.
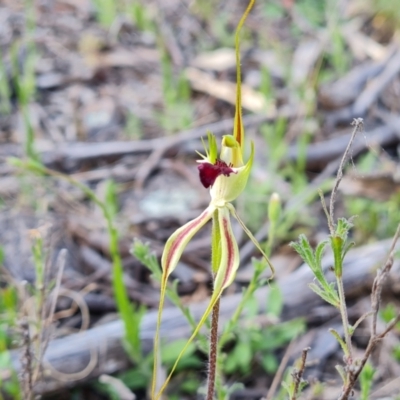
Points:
(226, 176)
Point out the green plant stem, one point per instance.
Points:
(213, 354)
(271, 238)
(345, 320)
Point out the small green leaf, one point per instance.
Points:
(170, 353)
(269, 363)
(342, 372)
(287, 387)
(244, 355)
(366, 380)
(274, 300)
(323, 294)
(340, 340)
(319, 252)
(135, 379)
(252, 307)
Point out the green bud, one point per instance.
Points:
(274, 208)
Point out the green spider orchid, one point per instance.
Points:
(226, 175)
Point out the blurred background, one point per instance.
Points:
(117, 94)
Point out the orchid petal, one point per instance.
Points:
(180, 238)
(215, 244)
(211, 151)
(229, 261)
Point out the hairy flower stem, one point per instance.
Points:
(345, 320)
(212, 359)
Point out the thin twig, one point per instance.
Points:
(298, 374)
(279, 373)
(45, 334)
(382, 274)
(358, 125)
(26, 361)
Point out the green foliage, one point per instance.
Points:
(375, 219)
(389, 313)
(178, 111)
(106, 11)
(24, 77)
(140, 15)
(267, 88)
(366, 381)
(255, 345)
(396, 353)
(289, 383)
(109, 390)
(205, 8)
(274, 135)
(274, 301)
(324, 289)
(252, 344)
(388, 10)
(221, 31)
(137, 378)
(339, 244)
(133, 127)
(5, 91)
(313, 10)
(9, 304)
(273, 9)
(171, 352)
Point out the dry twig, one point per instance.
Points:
(354, 369)
(298, 373)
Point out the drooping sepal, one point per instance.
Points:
(180, 238)
(215, 243)
(230, 259)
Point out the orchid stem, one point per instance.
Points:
(212, 361)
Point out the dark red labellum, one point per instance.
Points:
(210, 172)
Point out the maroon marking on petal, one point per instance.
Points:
(231, 250)
(210, 172)
(182, 235)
